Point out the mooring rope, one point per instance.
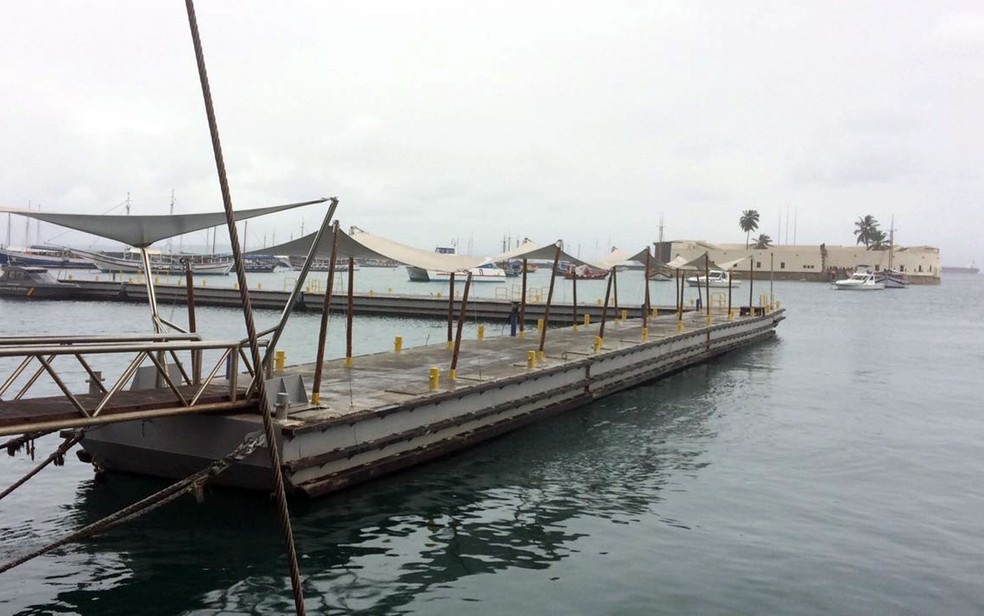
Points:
(148, 504)
(57, 456)
(24, 440)
(254, 346)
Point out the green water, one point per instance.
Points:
(834, 470)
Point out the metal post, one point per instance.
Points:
(707, 281)
(574, 283)
(351, 308)
(615, 290)
(151, 295)
(451, 310)
(323, 334)
(546, 309)
(645, 303)
(196, 356)
(751, 276)
(604, 311)
(461, 325)
(522, 303)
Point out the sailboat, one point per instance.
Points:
(889, 277)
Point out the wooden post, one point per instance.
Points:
(546, 309)
(679, 295)
(604, 311)
(451, 310)
(729, 295)
(351, 308)
(461, 325)
(615, 290)
(323, 334)
(522, 304)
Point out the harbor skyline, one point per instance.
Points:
(573, 121)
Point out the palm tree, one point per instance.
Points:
(763, 242)
(748, 222)
(864, 229)
(879, 241)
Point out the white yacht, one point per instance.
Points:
(715, 279)
(859, 281)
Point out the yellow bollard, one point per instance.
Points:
(540, 355)
(587, 320)
(575, 327)
(481, 331)
(316, 398)
(531, 359)
(439, 296)
(522, 334)
(599, 302)
(680, 325)
(598, 342)
(391, 290)
(371, 293)
(450, 344)
(731, 315)
(434, 378)
(398, 344)
(348, 361)
(645, 334)
(710, 319)
(625, 314)
(453, 374)
(278, 360)
(539, 325)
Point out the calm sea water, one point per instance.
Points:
(834, 470)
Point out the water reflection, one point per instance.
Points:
(510, 504)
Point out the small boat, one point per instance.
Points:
(859, 281)
(892, 279)
(585, 272)
(25, 282)
(715, 279)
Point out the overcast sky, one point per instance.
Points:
(585, 121)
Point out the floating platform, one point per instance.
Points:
(379, 304)
(381, 412)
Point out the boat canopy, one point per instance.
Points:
(361, 244)
(618, 256)
(142, 231)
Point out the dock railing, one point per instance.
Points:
(37, 356)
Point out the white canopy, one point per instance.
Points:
(361, 244)
(142, 231)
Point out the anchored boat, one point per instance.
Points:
(33, 283)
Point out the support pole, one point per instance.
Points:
(461, 325)
(707, 281)
(546, 309)
(451, 310)
(729, 295)
(645, 302)
(679, 295)
(751, 275)
(522, 304)
(323, 334)
(604, 311)
(271, 438)
(574, 283)
(196, 356)
(151, 294)
(351, 309)
(615, 290)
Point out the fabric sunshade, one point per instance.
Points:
(142, 231)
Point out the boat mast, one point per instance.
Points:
(891, 242)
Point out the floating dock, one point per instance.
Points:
(383, 412)
(372, 303)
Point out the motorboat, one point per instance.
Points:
(859, 281)
(487, 272)
(26, 282)
(715, 279)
